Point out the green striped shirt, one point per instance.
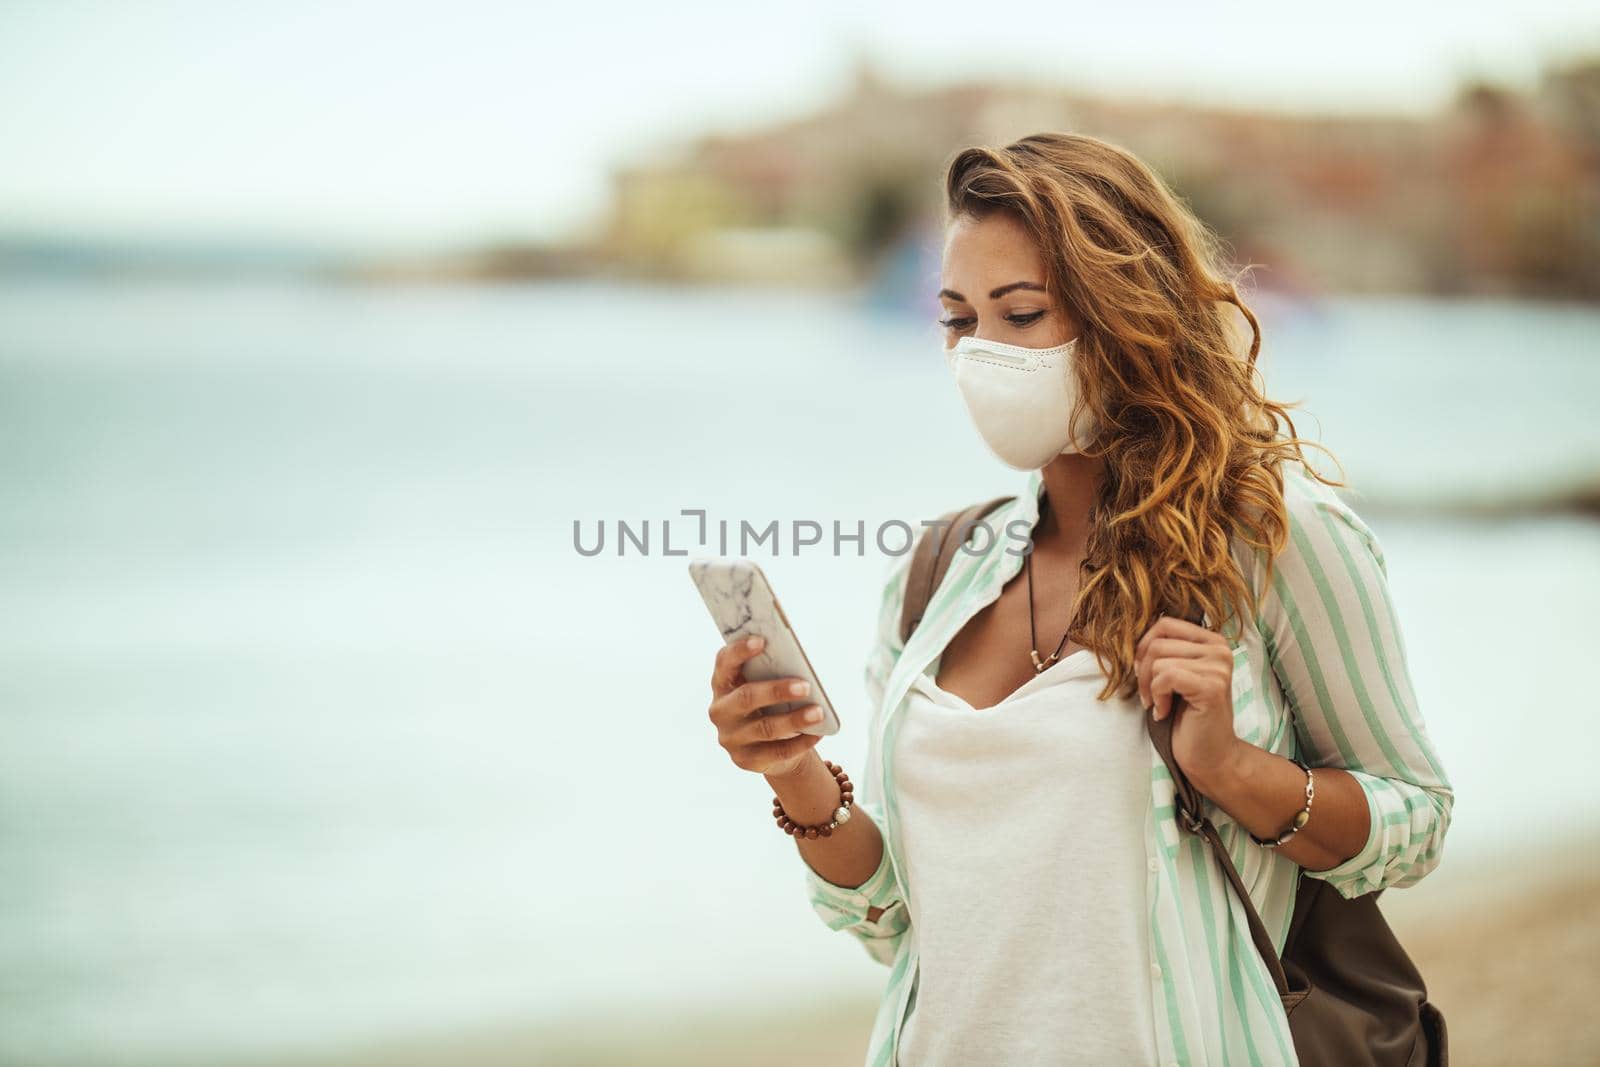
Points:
(1321, 674)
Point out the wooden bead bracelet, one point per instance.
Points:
(841, 814)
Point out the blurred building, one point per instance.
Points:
(1500, 193)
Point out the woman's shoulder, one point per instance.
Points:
(1321, 517)
(1325, 541)
(1311, 504)
(892, 595)
(996, 515)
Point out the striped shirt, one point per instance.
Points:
(1321, 675)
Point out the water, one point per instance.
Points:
(316, 729)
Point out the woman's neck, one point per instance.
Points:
(1071, 484)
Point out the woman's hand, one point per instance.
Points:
(769, 743)
(1177, 657)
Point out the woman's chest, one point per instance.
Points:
(1050, 745)
(1051, 787)
(992, 654)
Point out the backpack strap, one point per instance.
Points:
(1189, 813)
(931, 559)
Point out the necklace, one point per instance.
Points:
(1033, 638)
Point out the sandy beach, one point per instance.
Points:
(1510, 950)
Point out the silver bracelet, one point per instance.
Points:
(1301, 817)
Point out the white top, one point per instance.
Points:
(1023, 827)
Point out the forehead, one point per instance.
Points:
(980, 249)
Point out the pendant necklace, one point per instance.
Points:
(1033, 638)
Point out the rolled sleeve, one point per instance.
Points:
(1336, 647)
(846, 907)
(1407, 826)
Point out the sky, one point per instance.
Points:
(436, 124)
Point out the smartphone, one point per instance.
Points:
(742, 603)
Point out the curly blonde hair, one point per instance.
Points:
(1192, 445)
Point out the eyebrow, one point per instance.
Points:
(995, 294)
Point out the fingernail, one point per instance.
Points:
(799, 689)
(812, 715)
(752, 643)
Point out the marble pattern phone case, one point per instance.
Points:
(742, 603)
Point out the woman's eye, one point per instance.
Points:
(1016, 320)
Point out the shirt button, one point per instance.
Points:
(1154, 866)
(1155, 970)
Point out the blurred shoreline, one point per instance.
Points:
(1501, 941)
(1578, 496)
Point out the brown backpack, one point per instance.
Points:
(1351, 993)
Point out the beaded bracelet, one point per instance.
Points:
(841, 814)
(1301, 817)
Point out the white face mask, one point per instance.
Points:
(1021, 399)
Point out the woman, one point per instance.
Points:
(1013, 856)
